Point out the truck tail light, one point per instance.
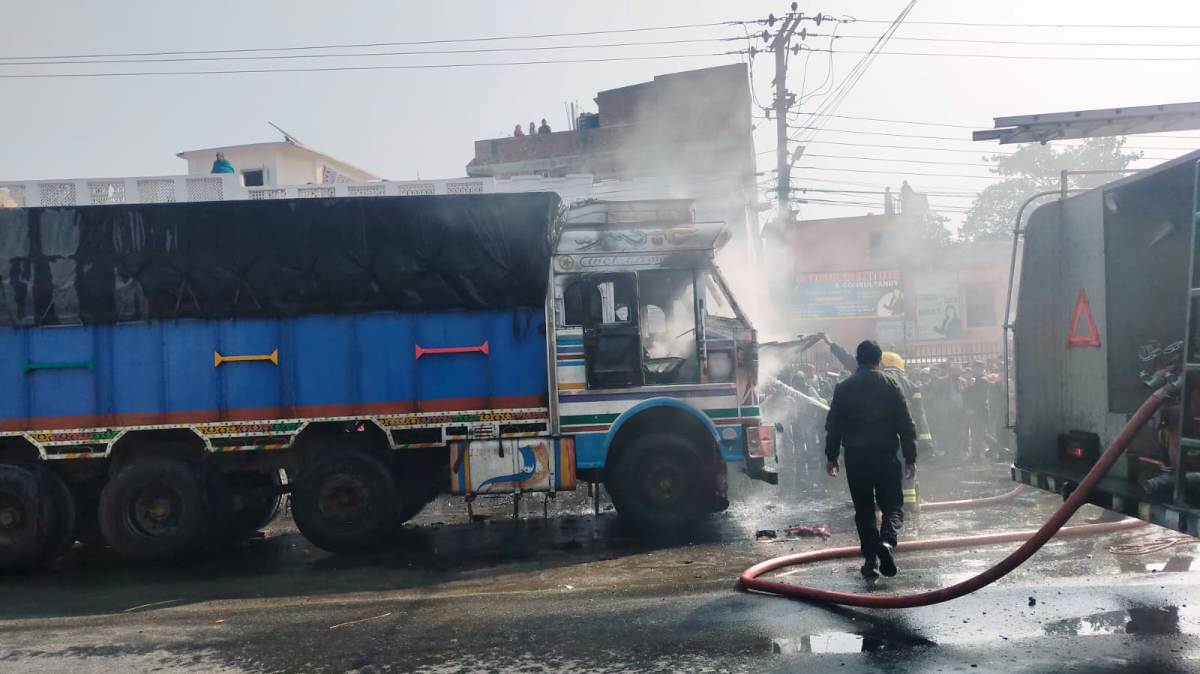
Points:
(1079, 448)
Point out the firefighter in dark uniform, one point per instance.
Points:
(894, 366)
(869, 417)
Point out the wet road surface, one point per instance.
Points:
(579, 593)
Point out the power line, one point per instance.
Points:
(1022, 57)
(1031, 57)
(947, 195)
(968, 140)
(843, 89)
(275, 57)
(982, 151)
(906, 161)
(949, 208)
(1123, 26)
(1048, 43)
(901, 173)
(898, 121)
(883, 133)
(384, 44)
(424, 66)
(914, 147)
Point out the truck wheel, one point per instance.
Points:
(26, 518)
(66, 516)
(658, 483)
(153, 509)
(345, 501)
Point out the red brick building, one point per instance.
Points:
(870, 277)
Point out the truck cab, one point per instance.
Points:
(647, 340)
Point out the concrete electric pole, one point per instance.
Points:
(782, 103)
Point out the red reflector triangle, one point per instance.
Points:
(1083, 309)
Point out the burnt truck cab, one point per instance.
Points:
(1106, 279)
(645, 332)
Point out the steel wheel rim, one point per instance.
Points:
(13, 516)
(665, 483)
(155, 511)
(344, 498)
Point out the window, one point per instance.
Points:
(668, 326)
(616, 298)
(716, 302)
(609, 303)
(253, 178)
(981, 306)
(573, 302)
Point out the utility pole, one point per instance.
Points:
(780, 46)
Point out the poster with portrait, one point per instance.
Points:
(939, 314)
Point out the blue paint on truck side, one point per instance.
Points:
(163, 371)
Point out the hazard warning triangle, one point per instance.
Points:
(1084, 310)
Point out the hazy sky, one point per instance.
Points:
(401, 123)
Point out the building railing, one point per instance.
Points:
(228, 187)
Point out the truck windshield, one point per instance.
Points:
(668, 325)
(716, 301)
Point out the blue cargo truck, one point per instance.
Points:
(171, 371)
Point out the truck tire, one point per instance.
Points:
(659, 483)
(153, 509)
(66, 516)
(26, 518)
(346, 501)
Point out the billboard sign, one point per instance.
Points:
(849, 294)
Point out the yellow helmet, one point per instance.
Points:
(892, 360)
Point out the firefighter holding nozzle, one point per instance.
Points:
(869, 417)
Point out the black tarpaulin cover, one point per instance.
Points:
(242, 259)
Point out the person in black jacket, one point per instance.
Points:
(869, 417)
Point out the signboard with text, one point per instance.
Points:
(848, 294)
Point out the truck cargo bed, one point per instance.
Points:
(197, 371)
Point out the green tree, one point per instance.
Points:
(1037, 168)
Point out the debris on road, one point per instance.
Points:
(765, 535)
(361, 620)
(151, 604)
(808, 530)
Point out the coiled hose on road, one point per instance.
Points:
(751, 580)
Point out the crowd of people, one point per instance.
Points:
(959, 407)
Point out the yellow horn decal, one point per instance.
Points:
(272, 358)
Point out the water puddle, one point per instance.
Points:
(1140, 620)
(846, 642)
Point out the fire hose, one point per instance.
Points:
(974, 502)
(1033, 540)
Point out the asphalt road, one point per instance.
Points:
(579, 593)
